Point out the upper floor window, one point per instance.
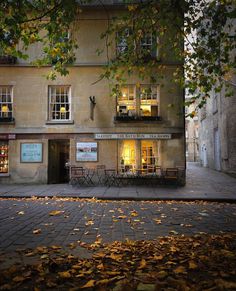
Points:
(146, 47)
(148, 100)
(138, 102)
(59, 103)
(6, 102)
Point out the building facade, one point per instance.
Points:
(45, 124)
(217, 133)
(192, 134)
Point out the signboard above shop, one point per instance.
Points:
(132, 136)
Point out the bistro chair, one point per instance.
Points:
(171, 175)
(100, 171)
(111, 178)
(77, 175)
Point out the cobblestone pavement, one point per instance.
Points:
(73, 220)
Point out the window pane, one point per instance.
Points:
(4, 157)
(5, 102)
(59, 103)
(127, 156)
(126, 103)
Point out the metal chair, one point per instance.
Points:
(100, 171)
(77, 175)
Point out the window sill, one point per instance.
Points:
(52, 122)
(7, 120)
(4, 175)
(137, 118)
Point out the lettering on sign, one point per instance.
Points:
(132, 136)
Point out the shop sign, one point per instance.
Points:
(31, 153)
(86, 151)
(7, 136)
(132, 136)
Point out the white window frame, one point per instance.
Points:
(62, 114)
(138, 102)
(4, 103)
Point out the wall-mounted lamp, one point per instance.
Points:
(92, 105)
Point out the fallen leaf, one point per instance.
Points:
(64, 275)
(37, 231)
(56, 212)
(180, 270)
(89, 284)
(21, 213)
(192, 265)
(143, 264)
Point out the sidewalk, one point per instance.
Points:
(202, 184)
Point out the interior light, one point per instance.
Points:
(62, 110)
(5, 108)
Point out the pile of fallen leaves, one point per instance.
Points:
(201, 262)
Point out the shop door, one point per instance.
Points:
(58, 155)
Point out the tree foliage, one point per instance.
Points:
(196, 35)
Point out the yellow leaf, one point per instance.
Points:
(134, 213)
(180, 270)
(89, 284)
(56, 212)
(122, 216)
(116, 257)
(112, 273)
(100, 266)
(143, 264)
(158, 258)
(192, 265)
(55, 247)
(64, 275)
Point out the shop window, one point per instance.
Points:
(149, 156)
(149, 100)
(126, 101)
(127, 156)
(6, 103)
(59, 103)
(4, 157)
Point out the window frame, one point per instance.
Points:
(137, 104)
(50, 104)
(10, 113)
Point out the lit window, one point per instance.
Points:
(127, 156)
(4, 157)
(149, 154)
(126, 101)
(59, 103)
(139, 102)
(149, 100)
(6, 102)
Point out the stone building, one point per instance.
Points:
(45, 124)
(192, 134)
(217, 132)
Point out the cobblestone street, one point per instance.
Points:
(28, 223)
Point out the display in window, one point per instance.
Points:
(4, 158)
(149, 155)
(127, 156)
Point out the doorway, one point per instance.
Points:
(58, 155)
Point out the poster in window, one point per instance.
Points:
(86, 152)
(31, 153)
